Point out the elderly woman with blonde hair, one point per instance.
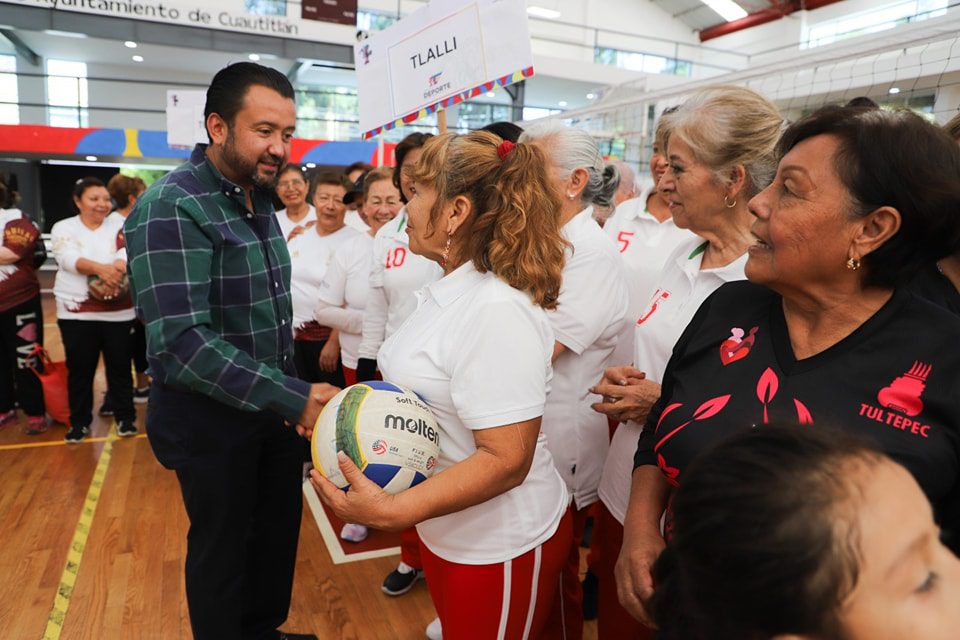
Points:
(719, 153)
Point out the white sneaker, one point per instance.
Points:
(353, 532)
(434, 631)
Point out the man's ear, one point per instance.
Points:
(217, 128)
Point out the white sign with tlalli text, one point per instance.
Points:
(446, 48)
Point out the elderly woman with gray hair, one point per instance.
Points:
(720, 152)
(588, 319)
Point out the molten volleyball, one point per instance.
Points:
(388, 432)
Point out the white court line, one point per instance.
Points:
(330, 537)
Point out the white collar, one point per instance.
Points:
(453, 285)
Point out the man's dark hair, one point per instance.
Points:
(505, 130)
(229, 87)
(862, 102)
(362, 166)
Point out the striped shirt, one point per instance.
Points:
(211, 283)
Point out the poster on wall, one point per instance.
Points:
(442, 54)
(186, 125)
(339, 11)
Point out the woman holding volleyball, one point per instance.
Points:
(493, 524)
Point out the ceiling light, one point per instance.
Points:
(491, 94)
(137, 58)
(91, 158)
(130, 44)
(562, 103)
(728, 9)
(591, 96)
(254, 56)
(543, 12)
(894, 91)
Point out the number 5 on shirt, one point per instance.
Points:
(624, 239)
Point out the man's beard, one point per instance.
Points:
(243, 167)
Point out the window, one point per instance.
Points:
(532, 113)
(374, 21)
(266, 7)
(9, 95)
(67, 93)
(880, 19)
(645, 62)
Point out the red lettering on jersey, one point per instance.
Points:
(396, 257)
(658, 296)
(624, 239)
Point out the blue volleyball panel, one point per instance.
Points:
(380, 385)
(381, 474)
(417, 478)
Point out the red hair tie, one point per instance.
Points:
(504, 149)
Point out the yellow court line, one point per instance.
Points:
(60, 443)
(75, 553)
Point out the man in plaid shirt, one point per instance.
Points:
(210, 275)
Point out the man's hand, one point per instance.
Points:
(320, 394)
(111, 275)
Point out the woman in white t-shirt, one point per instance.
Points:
(587, 323)
(343, 292)
(297, 214)
(94, 309)
(316, 347)
(493, 522)
(396, 274)
(720, 154)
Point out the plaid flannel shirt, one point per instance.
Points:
(211, 284)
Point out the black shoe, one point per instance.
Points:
(590, 596)
(106, 409)
(296, 636)
(397, 583)
(126, 428)
(141, 395)
(77, 434)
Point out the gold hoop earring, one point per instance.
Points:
(446, 251)
(853, 264)
(729, 205)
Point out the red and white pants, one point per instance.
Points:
(513, 600)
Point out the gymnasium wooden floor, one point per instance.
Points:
(129, 581)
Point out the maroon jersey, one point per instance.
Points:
(18, 281)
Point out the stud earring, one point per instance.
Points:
(853, 264)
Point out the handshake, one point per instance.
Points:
(320, 394)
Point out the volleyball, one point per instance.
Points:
(388, 432)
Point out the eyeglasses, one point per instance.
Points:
(293, 184)
(328, 200)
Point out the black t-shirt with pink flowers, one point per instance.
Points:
(895, 380)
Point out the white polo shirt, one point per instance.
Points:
(477, 351)
(287, 225)
(353, 220)
(346, 284)
(588, 319)
(644, 243)
(310, 255)
(396, 274)
(681, 289)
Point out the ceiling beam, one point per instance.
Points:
(21, 47)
